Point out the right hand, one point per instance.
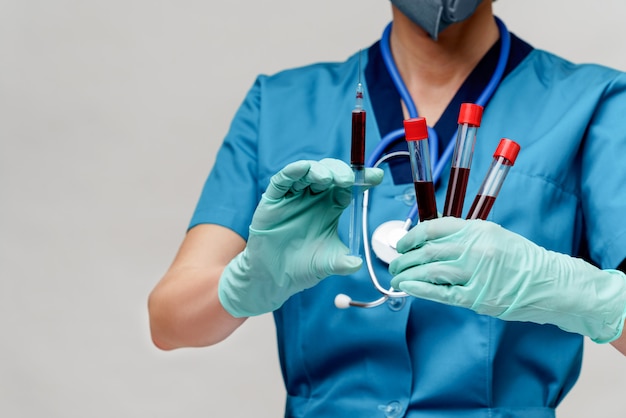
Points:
(293, 242)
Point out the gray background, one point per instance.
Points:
(110, 116)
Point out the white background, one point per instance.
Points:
(110, 116)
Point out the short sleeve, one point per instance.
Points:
(604, 177)
(230, 193)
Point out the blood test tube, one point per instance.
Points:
(416, 133)
(470, 116)
(503, 159)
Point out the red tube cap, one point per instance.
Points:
(508, 149)
(471, 114)
(415, 129)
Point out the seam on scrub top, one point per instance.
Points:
(611, 243)
(550, 182)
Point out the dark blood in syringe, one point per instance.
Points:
(482, 205)
(455, 195)
(426, 204)
(357, 153)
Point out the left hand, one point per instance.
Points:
(479, 265)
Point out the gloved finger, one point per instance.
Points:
(439, 273)
(450, 295)
(345, 264)
(342, 175)
(298, 174)
(333, 258)
(343, 195)
(319, 178)
(373, 177)
(428, 253)
(344, 179)
(430, 230)
(322, 174)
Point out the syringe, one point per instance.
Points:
(470, 116)
(416, 133)
(357, 162)
(503, 159)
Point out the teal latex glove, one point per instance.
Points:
(482, 266)
(293, 241)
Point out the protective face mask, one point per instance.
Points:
(435, 15)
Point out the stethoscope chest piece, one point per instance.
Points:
(385, 238)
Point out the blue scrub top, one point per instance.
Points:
(421, 358)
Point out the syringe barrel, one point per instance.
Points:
(357, 150)
(416, 133)
(356, 213)
(357, 161)
(503, 159)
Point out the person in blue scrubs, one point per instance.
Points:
(501, 306)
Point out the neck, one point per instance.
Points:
(433, 71)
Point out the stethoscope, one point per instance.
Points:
(385, 237)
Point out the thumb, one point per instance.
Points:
(373, 176)
(346, 264)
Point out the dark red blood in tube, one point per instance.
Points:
(425, 196)
(357, 153)
(481, 207)
(458, 184)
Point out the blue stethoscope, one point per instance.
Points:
(387, 235)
